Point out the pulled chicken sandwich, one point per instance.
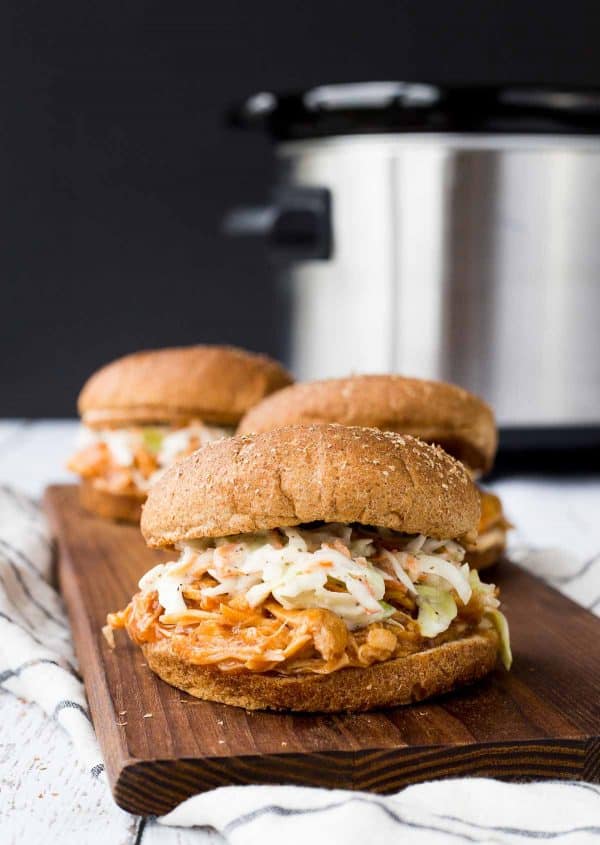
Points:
(317, 567)
(143, 412)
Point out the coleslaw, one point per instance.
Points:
(137, 456)
(362, 575)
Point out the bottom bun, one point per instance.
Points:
(400, 681)
(121, 506)
(486, 558)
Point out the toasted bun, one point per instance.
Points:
(401, 681)
(121, 506)
(432, 410)
(216, 384)
(311, 473)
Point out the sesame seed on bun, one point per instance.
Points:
(302, 474)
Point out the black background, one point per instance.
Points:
(117, 168)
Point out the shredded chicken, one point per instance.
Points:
(380, 645)
(128, 459)
(217, 607)
(96, 462)
(91, 461)
(236, 637)
(492, 515)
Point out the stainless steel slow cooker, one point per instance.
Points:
(449, 233)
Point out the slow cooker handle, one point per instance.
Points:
(296, 223)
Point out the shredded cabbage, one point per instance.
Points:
(501, 625)
(399, 571)
(165, 443)
(485, 592)
(120, 446)
(153, 439)
(297, 578)
(457, 577)
(437, 609)
(333, 567)
(127, 447)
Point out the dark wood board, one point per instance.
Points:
(542, 720)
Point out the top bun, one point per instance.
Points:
(432, 410)
(216, 384)
(301, 474)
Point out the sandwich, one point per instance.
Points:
(142, 412)
(315, 568)
(436, 412)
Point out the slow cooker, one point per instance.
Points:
(444, 232)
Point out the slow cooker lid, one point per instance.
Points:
(368, 107)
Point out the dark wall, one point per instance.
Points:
(117, 168)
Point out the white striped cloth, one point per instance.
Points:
(466, 810)
(37, 663)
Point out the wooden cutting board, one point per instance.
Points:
(542, 720)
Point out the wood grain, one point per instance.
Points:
(540, 721)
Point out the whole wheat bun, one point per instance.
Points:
(400, 681)
(432, 410)
(126, 507)
(301, 474)
(217, 384)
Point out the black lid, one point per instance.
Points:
(369, 107)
